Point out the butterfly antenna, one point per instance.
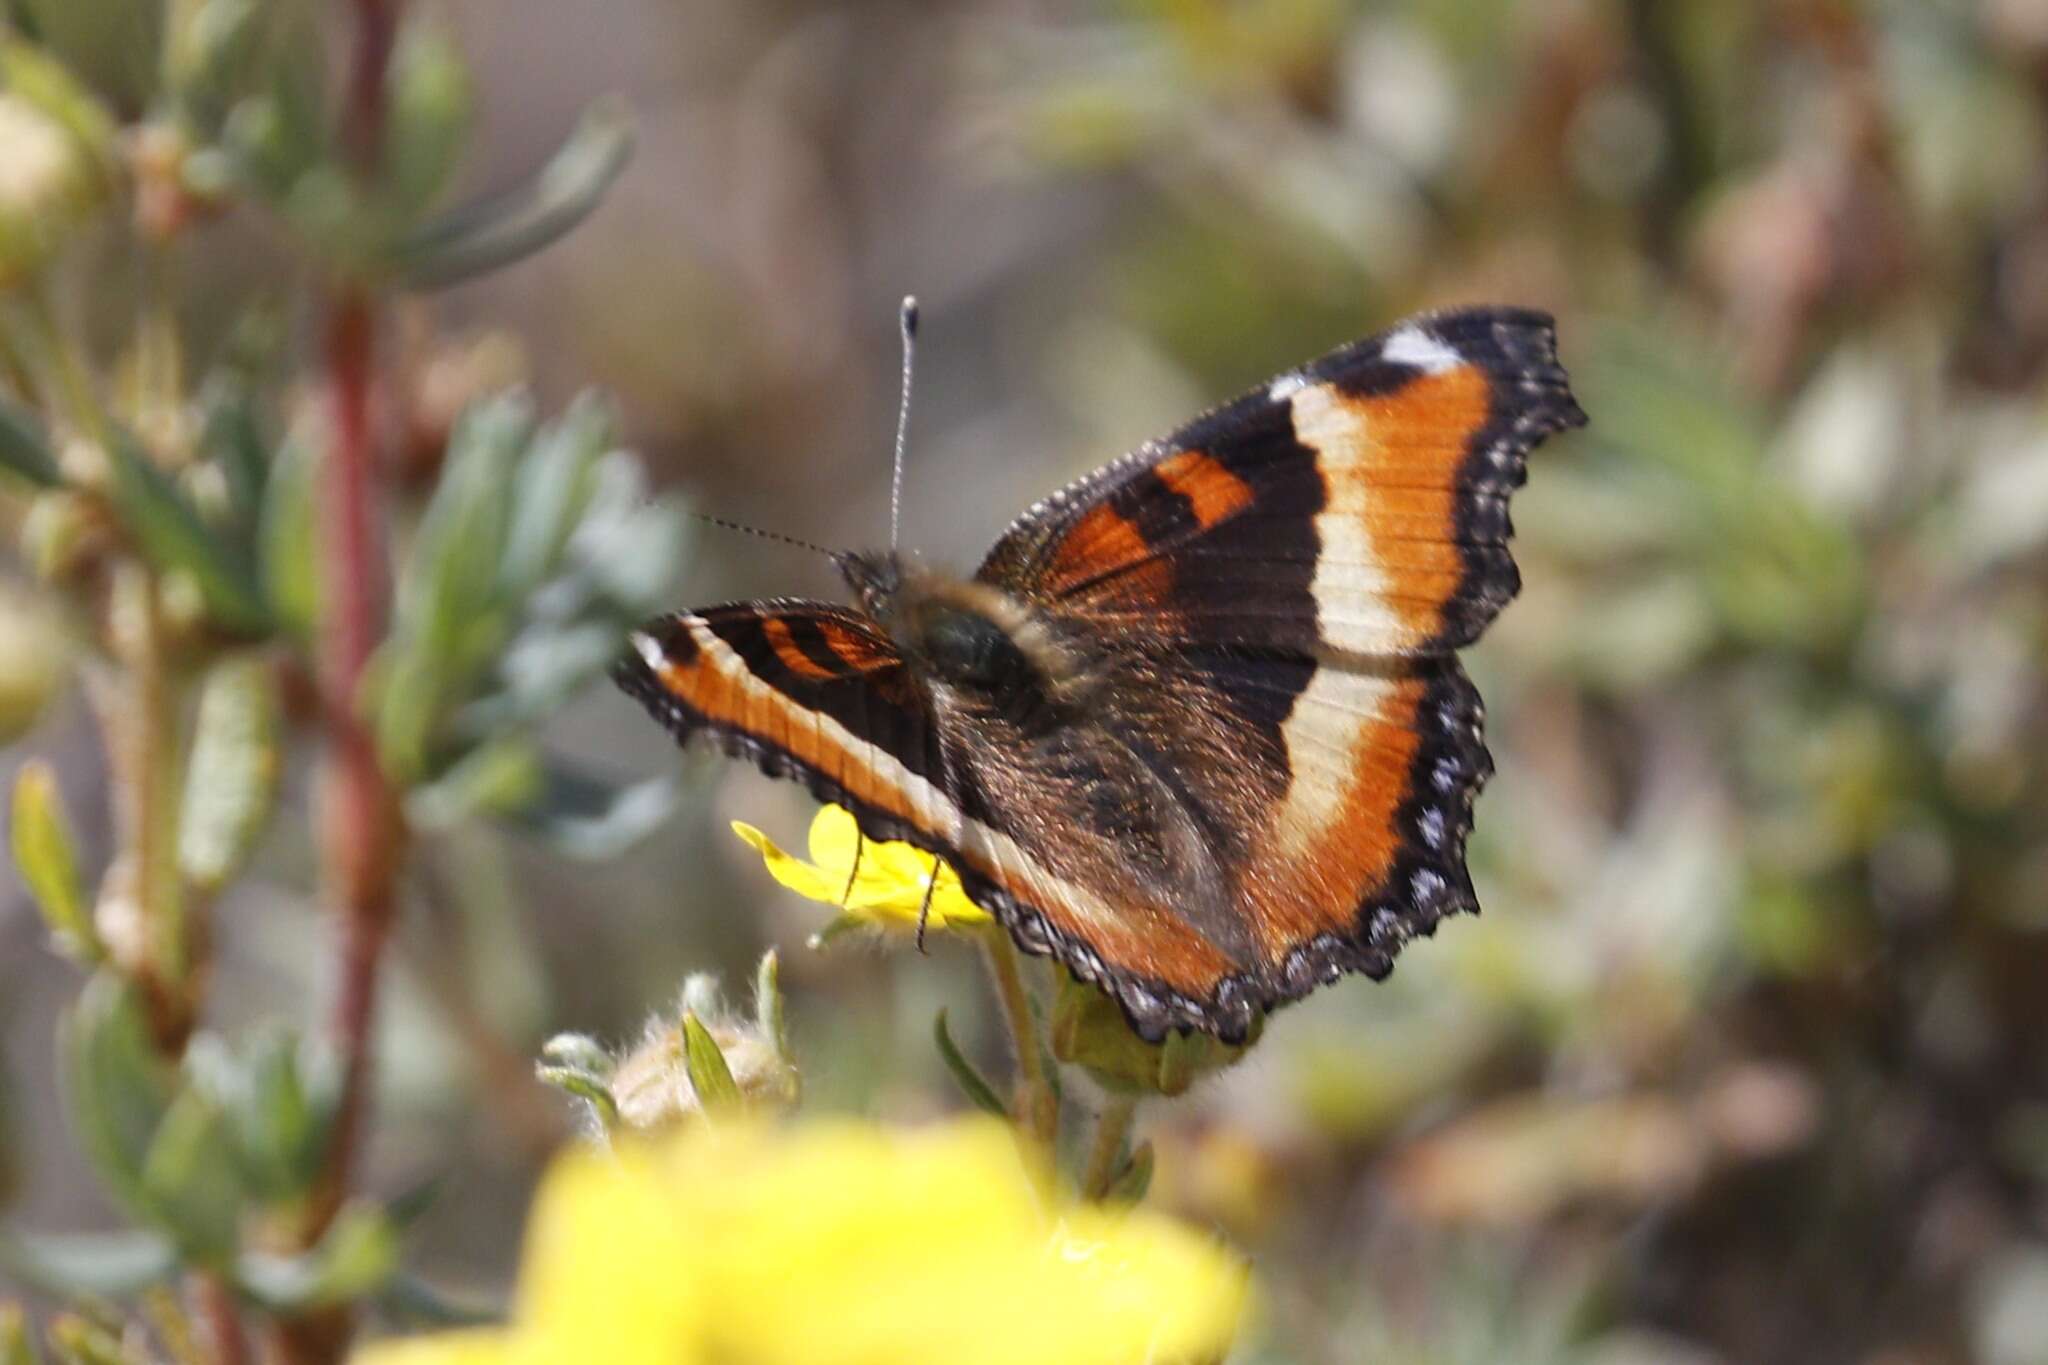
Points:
(765, 535)
(908, 318)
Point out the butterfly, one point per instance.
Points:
(1196, 727)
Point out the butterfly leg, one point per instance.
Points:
(924, 910)
(859, 843)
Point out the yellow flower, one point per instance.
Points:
(887, 889)
(842, 1244)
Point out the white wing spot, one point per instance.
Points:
(1413, 346)
(650, 650)
(1285, 387)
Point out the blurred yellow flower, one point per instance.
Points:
(888, 888)
(842, 1244)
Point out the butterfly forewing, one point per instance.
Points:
(1358, 504)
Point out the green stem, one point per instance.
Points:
(140, 723)
(1112, 1128)
(1036, 1108)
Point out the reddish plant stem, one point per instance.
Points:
(361, 835)
(223, 1325)
(363, 123)
(358, 832)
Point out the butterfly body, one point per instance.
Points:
(1196, 726)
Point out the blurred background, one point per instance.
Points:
(1747, 1059)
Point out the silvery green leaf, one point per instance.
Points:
(119, 1087)
(189, 1178)
(427, 118)
(231, 780)
(586, 818)
(554, 485)
(107, 1264)
(500, 775)
(498, 232)
(356, 1257)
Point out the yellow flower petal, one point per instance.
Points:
(888, 880)
(844, 1244)
(799, 876)
(611, 1257)
(478, 1346)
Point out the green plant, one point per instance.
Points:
(239, 574)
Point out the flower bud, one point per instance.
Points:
(703, 1060)
(64, 536)
(55, 147)
(654, 1086)
(1089, 1030)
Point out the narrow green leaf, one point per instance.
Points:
(273, 137)
(483, 237)
(46, 855)
(577, 1064)
(585, 1087)
(410, 1301)
(109, 45)
(710, 1077)
(287, 535)
(280, 1112)
(978, 1091)
(16, 1347)
(412, 1203)
(189, 1179)
(768, 1005)
(232, 438)
(170, 531)
(25, 447)
(231, 782)
(207, 58)
(78, 1340)
(428, 116)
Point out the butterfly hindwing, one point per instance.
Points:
(816, 693)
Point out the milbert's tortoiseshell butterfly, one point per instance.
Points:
(1196, 727)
